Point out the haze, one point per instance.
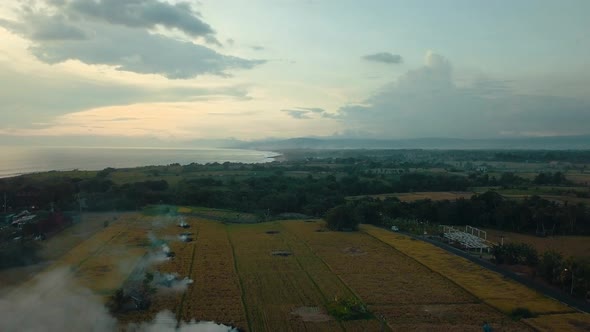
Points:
(146, 70)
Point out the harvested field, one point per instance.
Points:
(579, 178)
(216, 294)
(567, 245)
(61, 243)
(237, 280)
(416, 196)
(390, 283)
(274, 286)
(502, 294)
(104, 261)
(561, 199)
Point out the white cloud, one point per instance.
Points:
(426, 102)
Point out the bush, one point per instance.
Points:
(348, 309)
(551, 266)
(516, 253)
(520, 313)
(342, 217)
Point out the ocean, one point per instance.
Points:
(21, 160)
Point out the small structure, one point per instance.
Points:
(282, 253)
(470, 239)
(482, 169)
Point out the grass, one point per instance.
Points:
(493, 289)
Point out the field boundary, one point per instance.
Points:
(241, 283)
(190, 274)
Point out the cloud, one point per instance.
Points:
(117, 33)
(426, 102)
(143, 14)
(309, 113)
(67, 93)
(297, 114)
(257, 48)
(384, 57)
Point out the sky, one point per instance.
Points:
(78, 70)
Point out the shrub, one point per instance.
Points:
(516, 253)
(342, 218)
(348, 309)
(551, 266)
(520, 313)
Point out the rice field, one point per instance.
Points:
(493, 289)
(103, 262)
(280, 276)
(409, 295)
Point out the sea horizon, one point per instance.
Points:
(20, 160)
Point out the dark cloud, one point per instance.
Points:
(308, 113)
(143, 14)
(298, 114)
(135, 51)
(384, 57)
(426, 102)
(86, 31)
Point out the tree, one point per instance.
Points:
(342, 217)
(551, 266)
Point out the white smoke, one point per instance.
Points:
(171, 281)
(56, 303)
(165, 321)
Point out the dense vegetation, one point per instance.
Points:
(572, 274)
(313, 187)
(490, 209)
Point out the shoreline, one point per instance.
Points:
(249, 156)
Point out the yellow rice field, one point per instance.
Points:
(491, 287)
(238, 280)
(407, 294)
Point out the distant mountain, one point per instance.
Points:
(532, 143)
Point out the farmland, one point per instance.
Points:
(416, 196)
(568, 245)
(240, 280)
(64, 242)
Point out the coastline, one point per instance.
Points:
(36, 160)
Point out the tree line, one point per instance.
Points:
(533, 214)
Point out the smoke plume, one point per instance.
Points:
(54, 302)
